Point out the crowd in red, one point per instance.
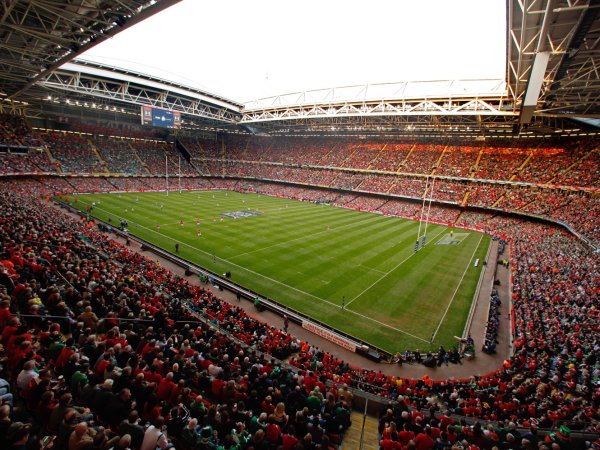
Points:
(103, 348)
(135, 344)
(14, 131)
(552, 378)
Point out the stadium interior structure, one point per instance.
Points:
(520, 161)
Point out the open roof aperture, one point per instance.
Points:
(250, 50)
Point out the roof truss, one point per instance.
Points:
(38, 36)
(128, 92)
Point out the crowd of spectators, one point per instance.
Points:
(584, 173)
(73, 151)
(152, 155)
(361, 155)
(330, 163)
(33, 161)
(500, 163)
(113, 129)
(119, 155)
(14, 131)
(99, 343)
(458, 161)
(493, 322)
(132, 341)
(485, 195)
(392, 156)
(423, 159)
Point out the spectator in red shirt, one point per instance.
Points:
(165, 387)
(423, 440)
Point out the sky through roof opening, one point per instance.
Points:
(245, 50)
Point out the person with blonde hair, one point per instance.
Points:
(279, 415)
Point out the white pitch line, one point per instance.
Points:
(387, 273)
(456, 290)
(387, 326)
(295, 239)
(371, 268)
(286, 285)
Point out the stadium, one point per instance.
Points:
(388, 265)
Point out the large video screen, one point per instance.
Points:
(160, 117)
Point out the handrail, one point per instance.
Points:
(362, 430)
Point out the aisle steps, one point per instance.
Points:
(352, 436)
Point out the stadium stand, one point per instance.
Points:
(547, 381)
(14, 131)
(110, 332)
(118, 155)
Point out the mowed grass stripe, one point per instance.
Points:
(369, 244)
(413, 298)
(314, 234)
(311, 257)
(360, 294)
(456, 290)
(423, 274)
(323, 248)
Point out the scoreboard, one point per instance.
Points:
(160, 117)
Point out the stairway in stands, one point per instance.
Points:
(352, 436)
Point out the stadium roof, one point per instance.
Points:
(551, 76)
(38, 36)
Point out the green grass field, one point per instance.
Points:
(316, 257)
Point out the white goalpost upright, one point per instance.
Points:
(166, 173)
(421, 215)
(180, 174)
(423, 239)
